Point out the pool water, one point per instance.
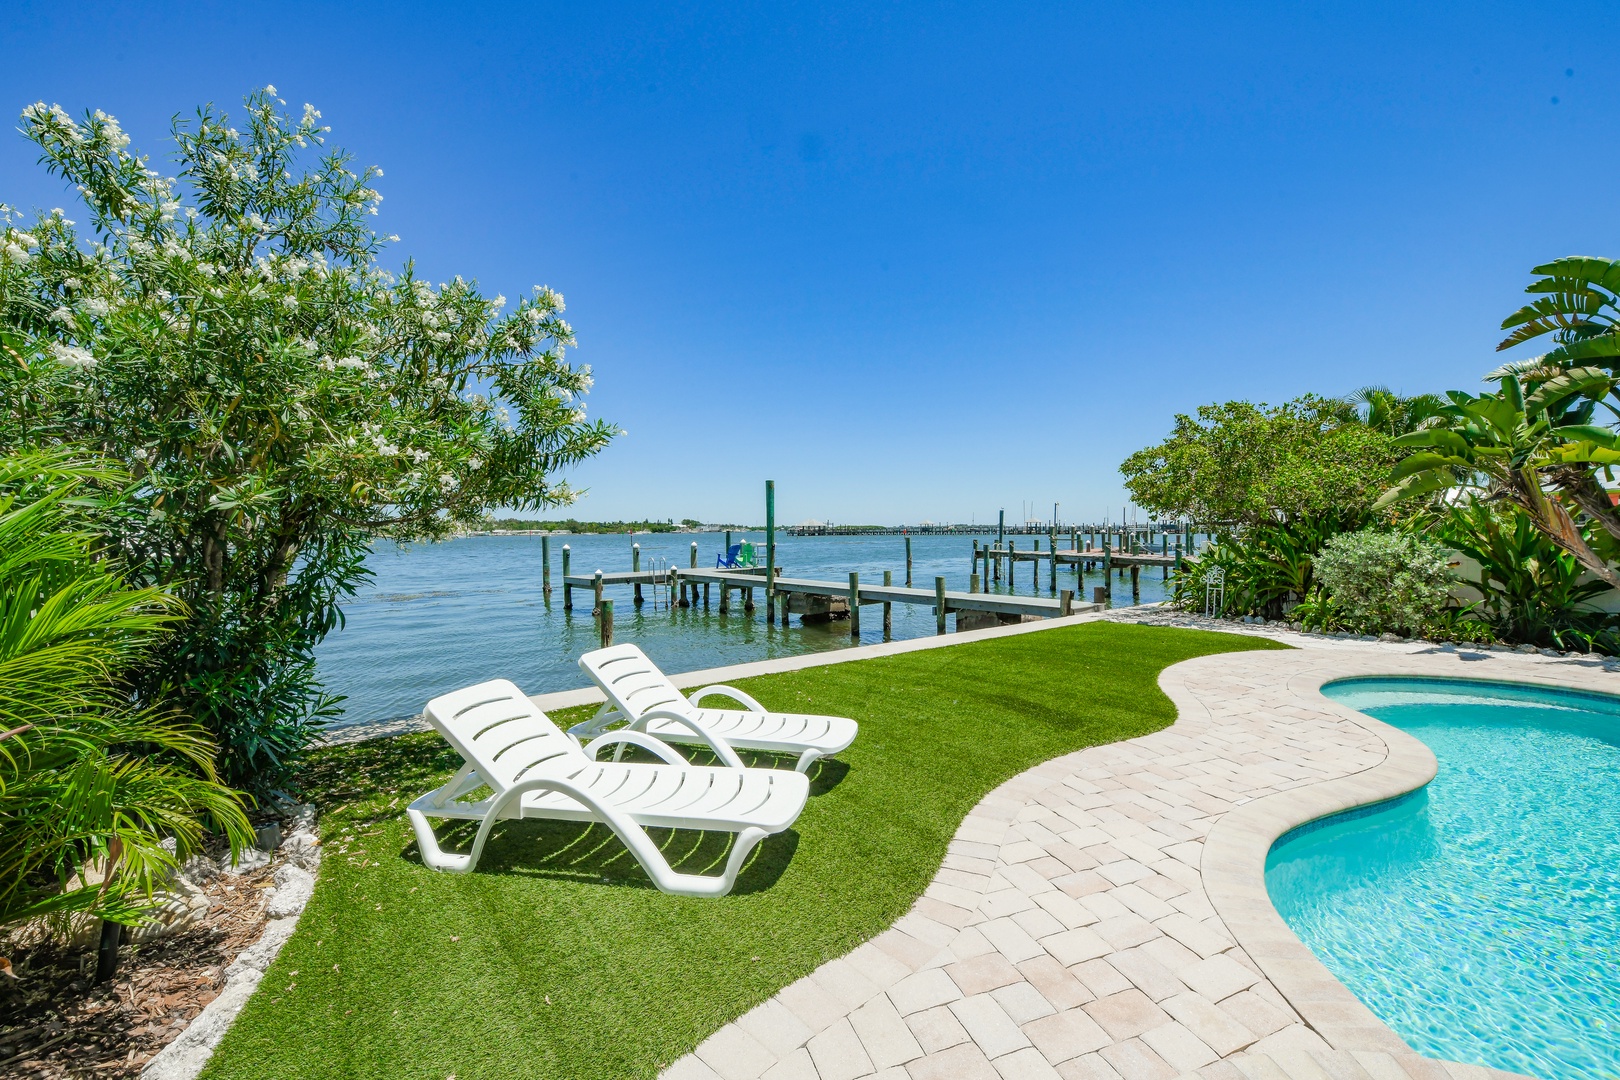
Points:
(1479, 917)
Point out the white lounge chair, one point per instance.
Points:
(639, 693)
(535, 770)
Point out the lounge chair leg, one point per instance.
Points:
(806, 759)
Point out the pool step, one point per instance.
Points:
(1322, 1064)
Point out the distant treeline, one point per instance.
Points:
(573, 526)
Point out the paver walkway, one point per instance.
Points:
(1069, 932)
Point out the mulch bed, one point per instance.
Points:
(55, 1023)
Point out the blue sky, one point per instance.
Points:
(923, 262)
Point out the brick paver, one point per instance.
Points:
(1070, 933)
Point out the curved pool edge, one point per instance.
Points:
(1250, 728)
(1235, 850)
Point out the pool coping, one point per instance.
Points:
(1234, 858)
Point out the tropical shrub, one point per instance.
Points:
(1384, 581)
(1533, 590)
(1533, 443)
(1268, 567)
(281, 400)
(86, 779)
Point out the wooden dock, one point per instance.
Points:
(829, 599)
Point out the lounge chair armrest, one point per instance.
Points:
(721, 748)
(603, 719)
(635, 738)
(726, 691)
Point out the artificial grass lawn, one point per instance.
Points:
(557, 957)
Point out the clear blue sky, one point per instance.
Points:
(923, 261)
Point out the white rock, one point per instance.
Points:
(302, 849)
(183, 906)
(257, 957)
(293, 888)
(250, 860)
(199, 870)
(302, 818)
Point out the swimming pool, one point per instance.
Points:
(1479, 917)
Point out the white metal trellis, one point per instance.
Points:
(1214, 591)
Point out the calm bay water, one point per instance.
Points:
(441, 616)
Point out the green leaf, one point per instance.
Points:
(1413, 487)
(1438, 438)
(1414, 464)
(1592, 382)
(1588, 270)
(1594, 433)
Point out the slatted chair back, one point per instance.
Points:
(500, 732)
(632, 682)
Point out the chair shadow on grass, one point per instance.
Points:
(824, 773)
(589, 853)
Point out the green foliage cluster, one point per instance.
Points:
(1385, 581)
(1533, 443)
(1532, 589)
(280, 399)
(1241, 464)
(90, 784)
(1265, 568)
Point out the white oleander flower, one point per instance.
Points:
(61, 315)
(72, 355)
(96, 307)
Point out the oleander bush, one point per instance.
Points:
(281, 400)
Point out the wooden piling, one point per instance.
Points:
(568, 590)
(635, 565)
(1052, 577)
(692, 594)
(888, 608)
(596, 590)
(973, 567)
(939, 605)
(604, 622)
(705, 596)
(855, 604)
(973, 583)
(725, 598)
(1164, 549)
(908, 561)
(1066, 603)
(545, 564)
(1108, 564)
(1136, 584)
(748, 599)
(770, 553)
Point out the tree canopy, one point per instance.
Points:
(279, 398)
(1240, 463)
